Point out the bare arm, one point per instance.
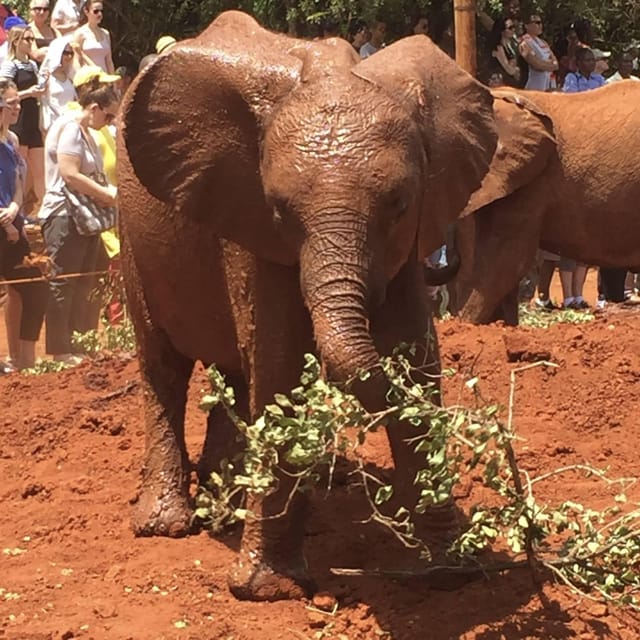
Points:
(110, 65)
(9, 213)
(70, 171)
(535, 61)
(38, 54)
(510, 66)
(76, 44)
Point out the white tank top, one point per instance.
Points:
(97, 50)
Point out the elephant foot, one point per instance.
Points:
(166, 515)
(259, 581)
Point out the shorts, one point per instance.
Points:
(569, 264)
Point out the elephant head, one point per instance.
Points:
(305, 155)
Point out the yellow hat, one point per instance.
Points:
(164, 42)
(87, 74)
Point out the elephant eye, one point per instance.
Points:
(398, 207)
(277, 216)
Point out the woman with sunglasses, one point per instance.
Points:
(19, 68)
(91, 42)
(59, 90)
(27, 301)
(72, 161)
(43, 33)
(504, 51)
(541, 61)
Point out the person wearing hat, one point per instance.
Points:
(72, 160)
(164, 43)
(105, 140)
(602, 61)
(11, 21)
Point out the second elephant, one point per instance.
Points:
(564, 178)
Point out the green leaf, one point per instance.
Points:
(282, 400)
(274, 409)
(383, 494)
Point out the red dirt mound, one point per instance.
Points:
(70, 451)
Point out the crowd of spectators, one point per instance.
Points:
(518, 56)
(59, 94)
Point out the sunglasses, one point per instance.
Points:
(67, 52)
(536, 22)
(28, 38)
(509, 27)
(40, 9)
(97, 11)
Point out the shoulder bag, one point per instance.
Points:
(90, 217)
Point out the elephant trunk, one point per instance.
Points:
(335, 283)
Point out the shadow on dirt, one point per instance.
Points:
(502, 605)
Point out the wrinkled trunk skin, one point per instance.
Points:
(335, 281)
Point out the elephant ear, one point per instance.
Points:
(454, 113)
(192, 125)
(526, 144)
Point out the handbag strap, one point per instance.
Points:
(94, 151)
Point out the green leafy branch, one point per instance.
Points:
(302, 434)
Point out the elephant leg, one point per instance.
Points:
(274, 332)
(507, 309)
(405, 317)
(506, 237)
(162, 506)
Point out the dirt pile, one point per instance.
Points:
(70, 451)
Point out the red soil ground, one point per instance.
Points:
(70, 453)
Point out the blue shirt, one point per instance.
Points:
(9, 163)
(576, 82)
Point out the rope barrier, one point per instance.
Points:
(66, 276)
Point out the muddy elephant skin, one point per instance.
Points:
(564, 177)
(277, 197)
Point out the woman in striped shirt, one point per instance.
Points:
(19, 68)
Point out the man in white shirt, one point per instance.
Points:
(66, 15)
(602, 61)
(625, 67)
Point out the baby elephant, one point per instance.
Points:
(278, 197)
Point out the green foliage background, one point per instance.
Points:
(136, 24)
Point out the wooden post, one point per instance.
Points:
(464, 17)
